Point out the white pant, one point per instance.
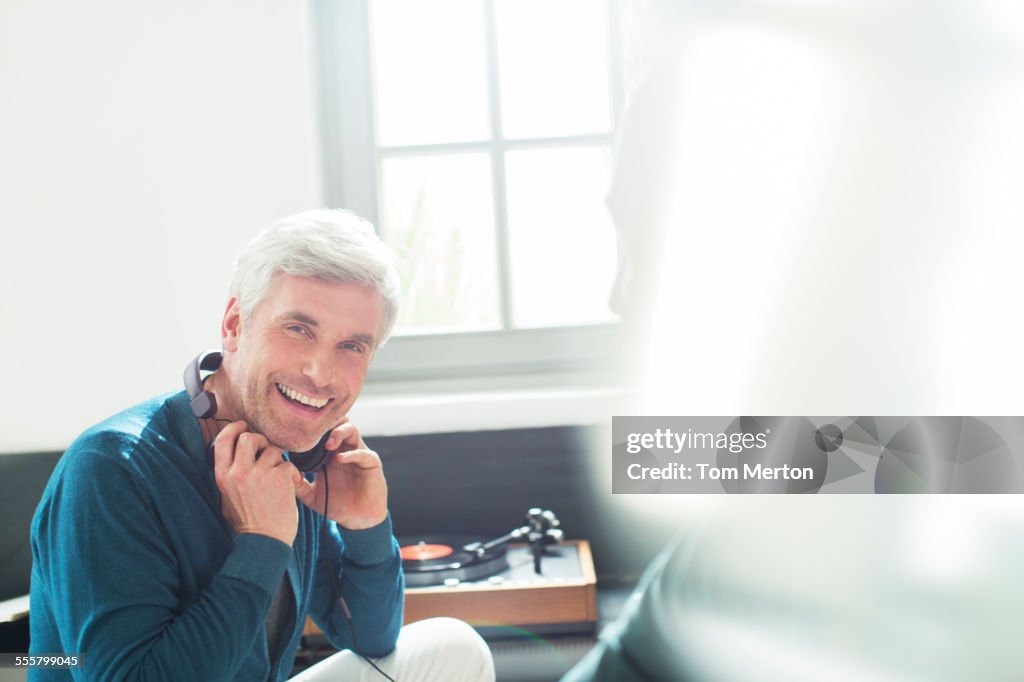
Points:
(432, 650)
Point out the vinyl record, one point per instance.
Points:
(434, 559)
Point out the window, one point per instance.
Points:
(476, 135)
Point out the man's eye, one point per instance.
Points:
(355, 347)
(298, 329)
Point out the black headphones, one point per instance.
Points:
(204, 406)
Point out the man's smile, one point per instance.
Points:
(301, 398)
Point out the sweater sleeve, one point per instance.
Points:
(366, 567)
(113, 582)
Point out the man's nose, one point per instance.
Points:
(319, 366)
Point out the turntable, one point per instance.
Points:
(528, 579)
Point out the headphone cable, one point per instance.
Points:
(337, 589)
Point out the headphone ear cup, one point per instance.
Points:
(311, 460)
(203, 403)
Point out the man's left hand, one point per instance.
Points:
(358, 491)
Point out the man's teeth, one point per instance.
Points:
(299, 398)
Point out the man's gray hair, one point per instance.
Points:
(332, 245)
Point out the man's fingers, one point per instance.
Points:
(224, 446)
(304, 490)
(270, 456)
(345, 436)
(258, 497)
(363, 458)
(236, 447)
(247, 447)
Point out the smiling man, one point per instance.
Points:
(151, 563)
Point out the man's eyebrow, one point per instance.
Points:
(300, 317)
(367, 339)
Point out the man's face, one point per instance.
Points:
(298, 364)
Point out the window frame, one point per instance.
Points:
(507, 357)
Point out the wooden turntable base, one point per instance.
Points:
(563, 599)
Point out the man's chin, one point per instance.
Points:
(293, 437)
(304, 446)
(292, 441)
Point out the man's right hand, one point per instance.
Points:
(257, 486)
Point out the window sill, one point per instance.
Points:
(448, 412)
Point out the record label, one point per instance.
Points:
(423, 551)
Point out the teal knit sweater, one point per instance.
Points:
(136, 569)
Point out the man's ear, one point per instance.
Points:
(231, 325)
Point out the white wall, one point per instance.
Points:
(141, 144)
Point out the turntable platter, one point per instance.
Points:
(436, 559)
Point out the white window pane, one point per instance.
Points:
(553, 57)
(437, 212)
(562, 242)
(430, 71)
